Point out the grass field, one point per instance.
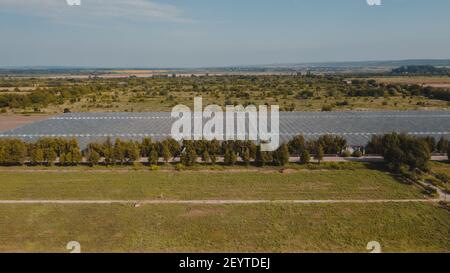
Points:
(441, 167)
(339, 184)
(249, 228)
(399, 227)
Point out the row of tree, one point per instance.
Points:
(399, 150)
(403, 152)
(67, 151)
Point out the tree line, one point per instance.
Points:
(398, 150)
(404, 153)
(47, 151)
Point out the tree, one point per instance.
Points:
(448, 153)
(230, 157)
(320, 154)
(50, 156)
(36, 156)
(246, 156)
(119, 152)
(93, 158)
(132, 151)
(108, 151)
(62, 160)
(205, 156)
(297, 145)
(442, 145)
(189, 156)
(165, 152)
(76, 156)
(281, 155)
(305, 157)
(431, 142)
(12, 152)
(213, 147)
(153, 157)
(404, 150)
(262, 158)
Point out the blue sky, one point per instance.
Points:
(197, 33)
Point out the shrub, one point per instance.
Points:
(180, 167)
(154, 168)
(429, 190)
(346, 153)
(327, 108)
(357, 153)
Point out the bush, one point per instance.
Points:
(357, 153)
(346, 153)
(154, 168)
(327, 108)
(430, 191)
(180, 167)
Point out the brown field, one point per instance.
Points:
(10, 121)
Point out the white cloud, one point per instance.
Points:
(91, 9)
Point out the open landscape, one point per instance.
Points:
(413, 226)
(225, 136)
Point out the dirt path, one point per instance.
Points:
(207, 202)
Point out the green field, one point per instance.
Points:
(240, 228)
(140, 185)
(399, 227)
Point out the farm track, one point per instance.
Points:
(138, 203)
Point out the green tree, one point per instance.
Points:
(132, 151)
(50, 156)
(119, 152)
(246, 156)
(281, 155)
(93, 158)
(165, 152)
(262, 158)
(230, 157)
(297, 145)
(442, 145)
(189, 156)
(320, 154)
(305, 157)
(206, 158)
(36, 156)
(153, 157)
